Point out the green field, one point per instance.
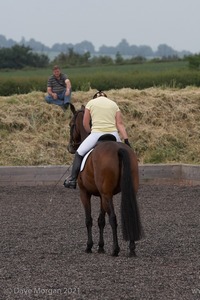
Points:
(145, 67)
(135, 76)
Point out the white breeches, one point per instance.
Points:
(91, 141)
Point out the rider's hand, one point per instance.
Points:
(127, 142)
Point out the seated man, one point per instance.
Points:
(58, 89)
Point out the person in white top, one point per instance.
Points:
(106, 119)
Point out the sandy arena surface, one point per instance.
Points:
(43, 238)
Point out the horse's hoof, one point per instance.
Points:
(115, 253)
(132, 254)
(101, 250)
(88, 250)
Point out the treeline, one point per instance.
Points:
(19, 57)
(123, 47)
(73, 59)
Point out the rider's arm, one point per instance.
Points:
(86, 120)
(120, 125)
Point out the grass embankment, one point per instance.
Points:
(163, 126)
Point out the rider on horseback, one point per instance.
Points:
(106, 119)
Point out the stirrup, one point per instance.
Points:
(70, 184)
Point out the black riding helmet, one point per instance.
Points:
(99, 94)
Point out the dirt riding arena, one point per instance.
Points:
(43, 238)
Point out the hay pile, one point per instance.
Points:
(163, 126)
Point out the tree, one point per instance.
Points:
(119, 59)
(84, 47)
(123, 47)
(19, 57)
(71, 58)
(145, 51)
(165, 51)
(194, 61)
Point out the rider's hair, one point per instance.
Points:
(99, 94)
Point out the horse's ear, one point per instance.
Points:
(73, 109)
(82, 107)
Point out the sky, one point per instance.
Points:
(104, 22)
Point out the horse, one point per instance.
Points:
(111, 168)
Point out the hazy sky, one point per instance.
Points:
(104, 22)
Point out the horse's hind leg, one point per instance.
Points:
(88, 221)
(101, 224)
(132, 249)
(113, 223)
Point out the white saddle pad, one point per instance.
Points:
(84, 159)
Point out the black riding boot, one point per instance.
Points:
(71, 181)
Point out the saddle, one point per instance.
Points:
(103, 138)
(107, 137)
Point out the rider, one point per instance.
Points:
(106, 119)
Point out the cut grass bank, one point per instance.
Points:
(163, 126)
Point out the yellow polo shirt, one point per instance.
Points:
(103, 112)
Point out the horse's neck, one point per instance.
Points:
(84, 134)
(82, 130)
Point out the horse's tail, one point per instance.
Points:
(130, 217)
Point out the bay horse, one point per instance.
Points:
(111, 168)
